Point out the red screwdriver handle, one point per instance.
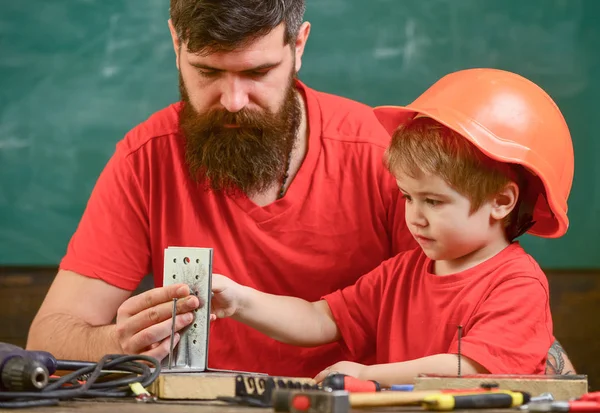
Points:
(350, 384)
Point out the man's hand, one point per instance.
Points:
(343, 367)
(227, 296)
(144, 321)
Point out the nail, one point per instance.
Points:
(172, 341)
(188, 317)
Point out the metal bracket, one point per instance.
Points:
(191, 266)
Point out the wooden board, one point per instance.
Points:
(206, 385)
(561, 387)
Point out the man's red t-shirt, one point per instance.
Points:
(401, 311)
(340, 218)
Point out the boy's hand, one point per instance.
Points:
(343, 367)
(226, 296)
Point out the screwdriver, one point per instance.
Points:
(485, 400)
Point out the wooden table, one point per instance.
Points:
(122, 406)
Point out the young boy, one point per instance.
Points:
(481, 157)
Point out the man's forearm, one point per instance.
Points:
(69, 338)
(289, 320)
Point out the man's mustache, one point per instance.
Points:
(246, 118)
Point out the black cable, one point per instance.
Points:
(72, 364)
(138, 375)
(120, 363)
(120, 382)
(50, 395)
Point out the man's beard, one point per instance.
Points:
(250, 158)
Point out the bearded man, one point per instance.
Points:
(285, 183)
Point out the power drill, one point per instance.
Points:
(22, 370)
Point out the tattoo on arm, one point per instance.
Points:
(558, 362)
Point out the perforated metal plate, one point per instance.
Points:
(192, 266)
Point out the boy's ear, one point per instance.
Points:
(505, 201)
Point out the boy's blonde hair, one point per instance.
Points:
(423, 145)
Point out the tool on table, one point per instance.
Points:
(542, 398)
(136, 368)
(255, 390)
(402, 387)
(589, 402)
(338, 381)
(418, 397)
(43, 357)
(313, 401)
(390, 398)
(141, 394)
(21, 369)
(484, 400)
(593, 396)
(302, 400)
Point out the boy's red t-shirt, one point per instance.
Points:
(401, 311)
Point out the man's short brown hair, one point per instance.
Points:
(225, 25)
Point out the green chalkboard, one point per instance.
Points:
(75, 76)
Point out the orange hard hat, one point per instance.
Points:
(510, 119)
